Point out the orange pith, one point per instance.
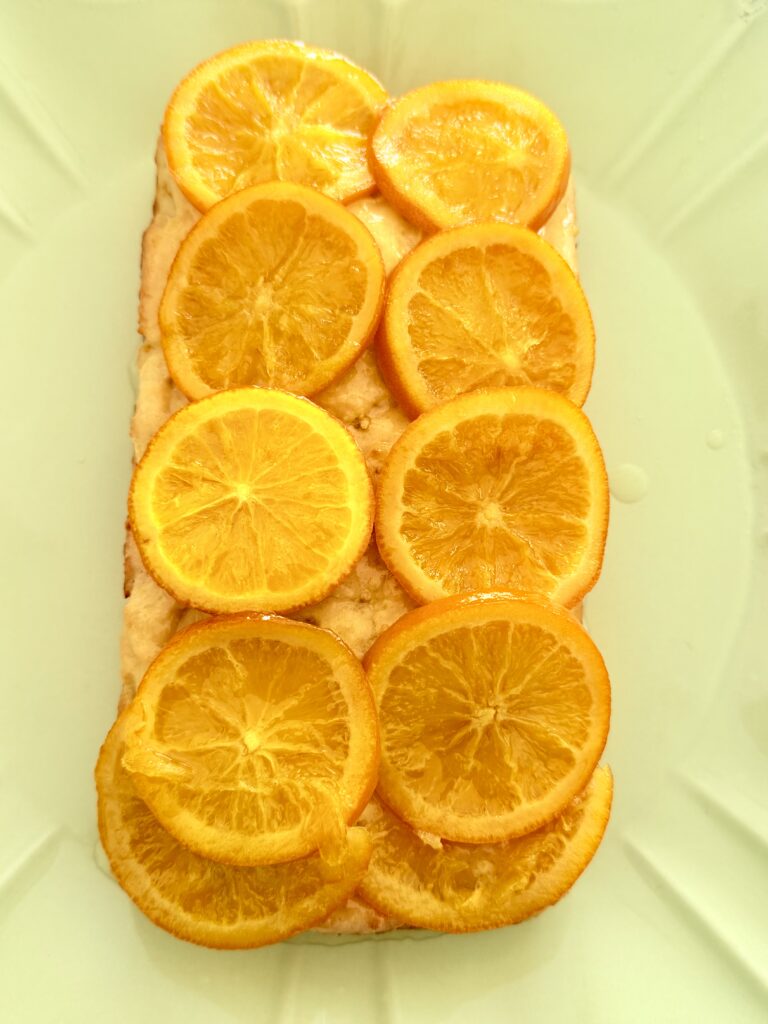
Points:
(483, 306)
(493, 713)
(277, 286)
(267, 110)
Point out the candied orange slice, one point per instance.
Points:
(254, 739)
(493, 713)
(456, 887)
(272, 110)
(500, 489)
(202, 901)
(251, 500)
(277, 286)
(483, 306)
(458, 152)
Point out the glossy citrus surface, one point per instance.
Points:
(202, 901)
(272, 110)
(493, 713)
(254, 739)
(251, 500)
(500, 489)
(483, 306)
(455, 887)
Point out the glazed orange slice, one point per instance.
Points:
(493, 714)
(277, 286)
(272, 110)
(455, 887)
(483, 306)
(199, 900)
(251, 500)
(500, 489)
(254, 739)
(458, 152)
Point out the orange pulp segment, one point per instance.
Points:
(455, 887)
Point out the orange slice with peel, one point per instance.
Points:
(277, 286)
(251, 500)
(254, 739)
(456, 887)
(463, 151)
(499, 489)
(199, 900)
(272, 110)
(484, 306)
(493, 713)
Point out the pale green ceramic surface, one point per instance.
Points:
(667, 107)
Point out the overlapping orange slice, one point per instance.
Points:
(463, 151)
(254, 739)
(455, 887)
(204, 902)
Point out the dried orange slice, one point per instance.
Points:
(254, 739)
(202, 901)
(483, 306)
(500, 489)
(458, 152)
(251, 500)
(493, 713)
(272, 110)
(277, 286)
(455, 887)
